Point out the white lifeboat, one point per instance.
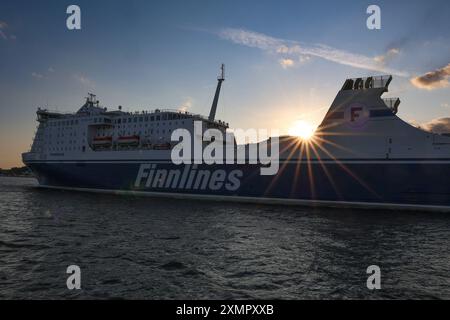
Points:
(102, 141)
(162, 146)
(128, 140)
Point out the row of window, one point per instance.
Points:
(119, 121)
(122, 133)
(76, 148)
(63, 142)
(65, 129)
(64, 123)
(146, 125)
(62, 135)
(164, 116)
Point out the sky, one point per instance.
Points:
(285, 60)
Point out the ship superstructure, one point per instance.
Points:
(93, 128)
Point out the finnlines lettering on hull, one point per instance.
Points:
(188, 178)
(362, 154)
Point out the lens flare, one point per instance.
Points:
(302, 129)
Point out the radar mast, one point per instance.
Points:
(220, 79)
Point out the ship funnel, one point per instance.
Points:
(220, 79)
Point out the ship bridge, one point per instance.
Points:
(372, 82)
(91, 106)
(380, 83)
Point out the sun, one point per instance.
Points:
(301, 129)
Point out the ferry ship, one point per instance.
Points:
(361, 155)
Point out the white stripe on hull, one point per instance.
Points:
(262, 200)
(281, 161)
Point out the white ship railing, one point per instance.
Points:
(189, 114)
(144, 112)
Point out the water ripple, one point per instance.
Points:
(131, 247)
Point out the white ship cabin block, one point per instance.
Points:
(95, 129)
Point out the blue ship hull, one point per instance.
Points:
(404, 183)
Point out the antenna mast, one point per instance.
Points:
(220, 79)
(222, 73)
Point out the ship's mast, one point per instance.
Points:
(220, 79)
(91, 99)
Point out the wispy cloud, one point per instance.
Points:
(388, 56)
(84, 80)
(441, 125)
(37, 75)
(286, 63)
(436, 79)
(44, 75)
(4, 34)
(287, 49)
(3, 26)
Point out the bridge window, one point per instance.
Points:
(358, 84)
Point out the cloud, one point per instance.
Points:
(3, 27)
(3, 32)
(37, 75)
(286, 63)
(441, 125)
(387, 57)
(438, 78)
(187, 104)
(44, 75)
(289, 49)
(84, 80)
(414, 123)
